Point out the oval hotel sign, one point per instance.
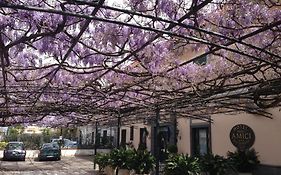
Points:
(242, 136)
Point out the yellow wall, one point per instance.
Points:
(33, 130)
(184, 135)
(267, 134)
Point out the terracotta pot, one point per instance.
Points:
(123, 172)
(245, 173)
(108, 170)
(204, 173)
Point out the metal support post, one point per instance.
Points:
(96, 141)
(156, 147)
(118, 134)
(175, 123)
(118, 131)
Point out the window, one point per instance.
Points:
(93, 137)
(143, 135)
(132, 133)
(200, 140)
(13, 146)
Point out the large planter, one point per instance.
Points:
(108, 170)
(134, 173)
(206, 173)
(123, 172)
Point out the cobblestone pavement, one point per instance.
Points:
(66, 166)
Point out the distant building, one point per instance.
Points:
(33, 130)
(106, 136)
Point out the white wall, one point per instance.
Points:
(136, 139)
(86, 131)
(65, 152)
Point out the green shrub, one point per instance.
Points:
(244, 161)
(31, 141)
(123, 158)
(142, 146)
(143, 162)
(215, 164)
(182, 165)
(3, 145)
(102, 160)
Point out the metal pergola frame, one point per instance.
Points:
(211, 96)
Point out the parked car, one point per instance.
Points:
(49, 151)
(14, 151)
(66, 143)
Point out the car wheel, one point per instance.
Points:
(23, 159)
(59, 158)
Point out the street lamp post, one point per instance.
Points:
(96, 141)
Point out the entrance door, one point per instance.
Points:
(123, 137)
(104, 138)
(200, 141)
(163, 142)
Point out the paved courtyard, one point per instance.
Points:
(67, 166)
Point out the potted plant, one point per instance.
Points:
(182, 165)
(244, 161)
(104, 162)
(122, 159)
(143, 162)
(214, 164)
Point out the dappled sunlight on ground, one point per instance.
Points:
(67, 166)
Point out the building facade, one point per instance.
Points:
(197, 137)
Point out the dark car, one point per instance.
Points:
(49, 151)
(14, 151)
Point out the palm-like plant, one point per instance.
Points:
(182, 165)
(244, 161)
(215, 164)
(144, 162)
(122, 158)
(102, 160)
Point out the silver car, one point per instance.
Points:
(14, 151)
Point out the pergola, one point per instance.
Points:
(75, 62)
